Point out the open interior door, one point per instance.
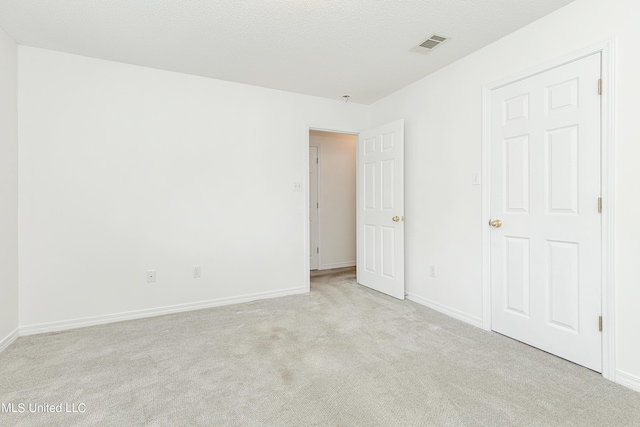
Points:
(381, 209)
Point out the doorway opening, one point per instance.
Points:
(378, 199)
(332, 200)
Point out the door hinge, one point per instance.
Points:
(599, 204)
(600, 323)
(317, 160)
(317, 204)
(317, 250)
(599, 86)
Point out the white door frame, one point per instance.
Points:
(318, 222)
(606, 49)
(305, 189)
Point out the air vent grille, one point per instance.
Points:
(431, 43)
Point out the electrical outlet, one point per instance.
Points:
(297, 186)
(151, 276)
(432, 270)
(196, 271)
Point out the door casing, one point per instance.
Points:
(317, 224)
(608, 185)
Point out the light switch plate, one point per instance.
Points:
(475, 178)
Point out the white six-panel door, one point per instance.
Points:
(381, 209)
(545, 185)
(314, 225)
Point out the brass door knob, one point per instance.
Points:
(495, 223)
(395, 219)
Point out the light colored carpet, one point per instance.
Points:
(340, 356)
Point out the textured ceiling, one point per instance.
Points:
(317, 47)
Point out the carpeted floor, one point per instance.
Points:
(340, 356)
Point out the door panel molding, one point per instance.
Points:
(606, 49)
(380, 194)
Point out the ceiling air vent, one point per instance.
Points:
(431, 43)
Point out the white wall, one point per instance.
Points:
(442, 113)
(124, 169)
(8, 189)
(337, 198)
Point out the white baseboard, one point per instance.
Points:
(337, 265)
(9, 339)
(452, 312)
(628, 380)
(151, 312)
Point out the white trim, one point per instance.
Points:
(337, 265)
(607, 51)
(319, 196)
(451, 312)
(628, 380)
(152, 312)
(358, 249)
(306, 277)
(328, 128)
(608, 209)
(9, 339)
(486, 209)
